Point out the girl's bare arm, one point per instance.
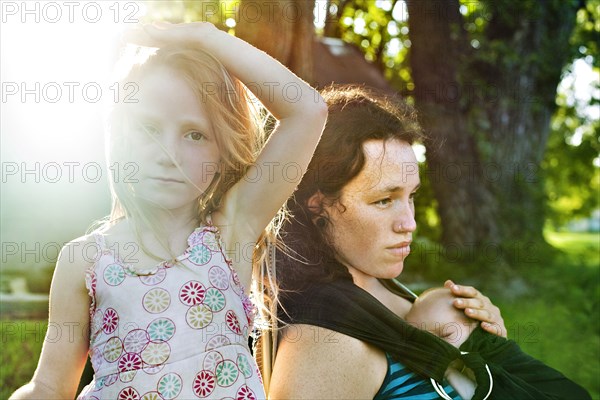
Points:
(65, 348)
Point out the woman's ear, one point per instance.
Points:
(315, 206)
(315, 202)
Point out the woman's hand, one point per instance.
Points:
(479, 307)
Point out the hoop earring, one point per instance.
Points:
(320, 222)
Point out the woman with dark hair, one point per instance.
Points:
(342, 331)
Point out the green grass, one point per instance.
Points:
(579, 248)
(557, 321)
(21, 343)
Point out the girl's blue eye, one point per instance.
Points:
(150, 129)
(147, 128)
(195, 136)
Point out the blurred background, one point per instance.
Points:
(508, 93)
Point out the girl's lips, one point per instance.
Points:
(166, 180)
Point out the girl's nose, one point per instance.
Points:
(168, 150)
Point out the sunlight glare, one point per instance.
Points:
(56, 72)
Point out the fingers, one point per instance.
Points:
(481, 303)
(159, 29)
(491, 320)
(161, 33)
(461, 291)
(497, 329)
(479, 307)
(449, 283)
(156, 34)
(480, 314)
(471, 299)
(138, 35)
(161, 24)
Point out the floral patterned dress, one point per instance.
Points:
(174, 331)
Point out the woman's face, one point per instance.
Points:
(372, 224)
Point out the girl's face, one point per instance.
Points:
(172, 143)
(371, 226)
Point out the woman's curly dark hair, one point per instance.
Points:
(356, 115)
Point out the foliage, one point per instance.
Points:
(586, 38)
(428, 222)
(572, 179)
(379, 28)
(572, 182)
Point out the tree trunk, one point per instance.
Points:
(332, 21)
(487, 111)
(282, 28)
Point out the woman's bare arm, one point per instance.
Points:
(317, 363)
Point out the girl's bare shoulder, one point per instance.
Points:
(79, 255)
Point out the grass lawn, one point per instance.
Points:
(558, 322)
(580, 248)
(21, 343)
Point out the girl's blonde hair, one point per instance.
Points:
(238, 120)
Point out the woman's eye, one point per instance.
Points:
(195, 136)
(383, 202)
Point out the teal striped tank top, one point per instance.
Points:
(400, 383)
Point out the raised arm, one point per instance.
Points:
(299, 109)
(65, 348)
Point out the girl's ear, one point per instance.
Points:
(315, 202)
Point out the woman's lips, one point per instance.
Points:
(400, 249)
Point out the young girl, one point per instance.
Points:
(162, 305)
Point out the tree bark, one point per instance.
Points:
(487, 111)
(282, 28)
(332, 22)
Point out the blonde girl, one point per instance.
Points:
(162, 305)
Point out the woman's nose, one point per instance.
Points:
(405, 220)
